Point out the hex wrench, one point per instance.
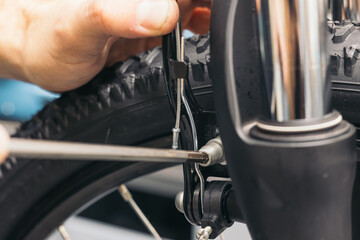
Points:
(46, 149)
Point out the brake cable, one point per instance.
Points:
(176, 70)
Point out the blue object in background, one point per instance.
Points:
(187, 34)
(19, 101)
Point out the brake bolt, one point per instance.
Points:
(204, 233)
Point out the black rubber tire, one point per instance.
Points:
(345, 69)
(345, 77)
(125, 104)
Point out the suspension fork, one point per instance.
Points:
(291, 157)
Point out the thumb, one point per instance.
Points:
(4, 144)
(132, 18)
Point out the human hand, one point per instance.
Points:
(4, 142)
(61, 44)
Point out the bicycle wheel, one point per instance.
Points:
(125, 104)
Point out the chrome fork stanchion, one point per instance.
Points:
(293, 48)
(355, 11)
(339, 10)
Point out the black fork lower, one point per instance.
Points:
(293, 175)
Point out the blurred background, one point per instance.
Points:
(19, 101)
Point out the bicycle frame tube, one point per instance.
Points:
(293, 50)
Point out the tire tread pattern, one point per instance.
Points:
(119, 86)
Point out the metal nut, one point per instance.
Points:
(215, 151)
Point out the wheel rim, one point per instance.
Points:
(48, 215)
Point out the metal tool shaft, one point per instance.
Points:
(43, 149)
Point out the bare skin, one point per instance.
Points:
(62, 44)
(4, 141)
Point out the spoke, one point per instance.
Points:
(64, 234)
(222, 237)
(126, 195)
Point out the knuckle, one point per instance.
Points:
(96, 14)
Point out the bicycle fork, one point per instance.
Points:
(291, 158)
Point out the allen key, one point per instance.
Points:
(56, 150)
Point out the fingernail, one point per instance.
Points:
(153, 14)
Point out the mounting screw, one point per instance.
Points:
(203, 233)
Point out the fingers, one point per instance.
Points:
(200, 20)
(124, 48)
(4, 144)
(131, 18)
